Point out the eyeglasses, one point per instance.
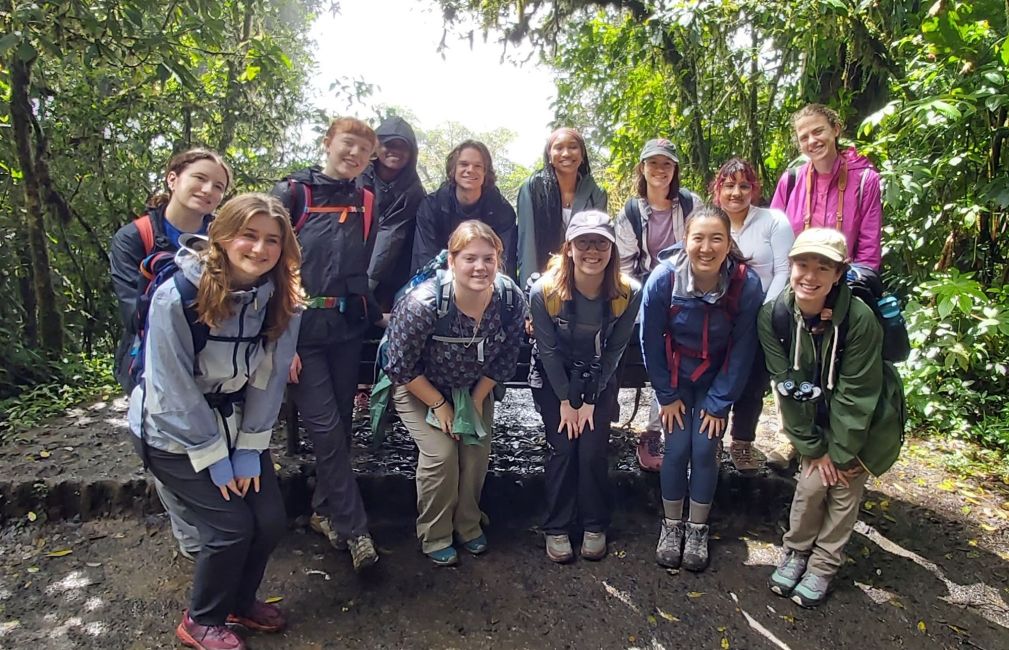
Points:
(598, 244)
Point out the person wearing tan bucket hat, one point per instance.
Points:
(840, 407)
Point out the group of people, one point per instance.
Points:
(278, 291)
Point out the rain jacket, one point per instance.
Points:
(125, 256)
(863, 422)
(731, 339)
(237, 370)
(440, 213)
(335, 254)
(862, 219)
(396, 204)
(540, 216)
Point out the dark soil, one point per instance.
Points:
(928, 569)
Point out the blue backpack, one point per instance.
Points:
(159, 268)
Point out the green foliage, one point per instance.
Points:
(74, 380)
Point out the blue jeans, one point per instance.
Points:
(689, 447)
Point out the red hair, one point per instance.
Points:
(729, 170)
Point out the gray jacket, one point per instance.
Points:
(169, 408)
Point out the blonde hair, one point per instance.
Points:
(469, 231)
(213, 298)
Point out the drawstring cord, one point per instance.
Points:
(798, 343)
(833, 359)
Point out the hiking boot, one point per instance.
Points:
(261, 617)
(559, 549)
(811, 590)
(650, 451)
(741, 454)
(780, 458)
(362, 552)
(669, 551)
(444, 556)
(321, 525)
(788, 573)
(593, 546)
(695, 548)
(207, 637)
(477, 545)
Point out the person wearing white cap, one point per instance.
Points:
(840, 405)
(583, 311)
(651, 221)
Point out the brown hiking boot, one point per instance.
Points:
(362, 552)
(741, 454)
(321, 525)
(780, 458)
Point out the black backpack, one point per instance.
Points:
(159, 268)
(632, 211)
(865, 285)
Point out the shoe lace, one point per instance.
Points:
(745, 453)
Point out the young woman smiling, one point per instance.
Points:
(838, 407)
(564, 186)
(698, 337)
(451, 339)
(765, 237)
(202, 418)
(583, 312)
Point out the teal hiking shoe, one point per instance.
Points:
(811, 590)
(444, 556)
(788, 573)
(477, 545)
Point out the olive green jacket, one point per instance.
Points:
(865, 397)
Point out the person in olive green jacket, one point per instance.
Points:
(840, 405)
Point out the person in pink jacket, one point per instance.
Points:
(834, 189)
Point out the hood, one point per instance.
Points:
(391, 128)
(855, 160)
(314, 176)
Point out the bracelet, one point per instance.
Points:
(438, 405)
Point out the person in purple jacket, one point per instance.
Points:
(834, 189)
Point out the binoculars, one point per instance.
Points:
(583, 387)
(803, 392)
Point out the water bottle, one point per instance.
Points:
(889, 308)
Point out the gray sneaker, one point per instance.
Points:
(695, 548)
(321, 525)
(788, 573)
(669, 551)
(559, 549)
(811, 590)
(594, 546)
(362, 552)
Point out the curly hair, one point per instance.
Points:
(489, 179)
(213, 297)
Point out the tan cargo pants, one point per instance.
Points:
(450, 476)
(822, 519)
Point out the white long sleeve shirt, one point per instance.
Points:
(766, 237)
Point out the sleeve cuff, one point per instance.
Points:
(204, 456)
(254, 440)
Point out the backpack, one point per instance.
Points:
(728, 304)
(146, 229)
(615, 308)
(159, 268)
(367, 210)
(865, 285)
(632, 210)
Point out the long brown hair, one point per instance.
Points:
(178, 164)
(489, 178)
(642, 184)
(213, 298)
(559, 278)
(469, 231)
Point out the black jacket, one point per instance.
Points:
(440, 213)
(396, 206)
(125, 255)
(334, 256)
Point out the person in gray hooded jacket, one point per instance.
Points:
(214, 370)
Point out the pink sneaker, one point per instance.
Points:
(207, 637)
(650, 451)
(262, 617)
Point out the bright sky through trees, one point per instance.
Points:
(393, 44)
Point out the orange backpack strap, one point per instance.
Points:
(146, 229)
(369, 211)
